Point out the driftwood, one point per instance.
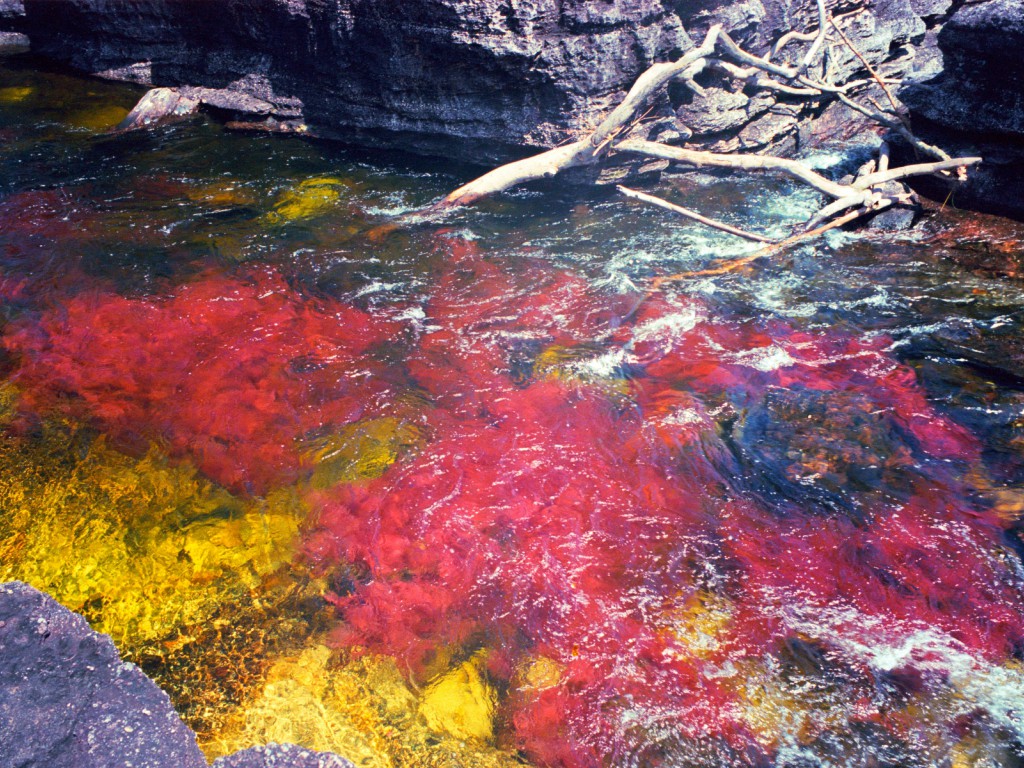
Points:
(720, 52)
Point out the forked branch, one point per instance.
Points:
(849, 201)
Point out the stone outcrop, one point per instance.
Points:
(976, 103)
(68, 701)
(486, 80)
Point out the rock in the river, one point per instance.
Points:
(976, 105)
(282, 756)
(157, 106)
(9, 41)
(67, 700)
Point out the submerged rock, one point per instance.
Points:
(68, 701)
(281, 756)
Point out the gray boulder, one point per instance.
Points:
(67, 700)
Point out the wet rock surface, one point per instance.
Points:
(492, 77)
(68, 701)
(281, 756)
(486, 80)
(66, 698)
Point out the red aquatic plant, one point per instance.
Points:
(565, 518)
(228, 371)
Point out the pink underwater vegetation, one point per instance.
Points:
(592, 470)
(567, 517)
(229, 370)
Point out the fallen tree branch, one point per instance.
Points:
(719, 51)
(733, 264)
(819, 40)
(919, 169)
(644, 197)
(699, 159)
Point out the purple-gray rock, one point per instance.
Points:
(68, 701)
(976, 104)
(481, 79)
(281, 756)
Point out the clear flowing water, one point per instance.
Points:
(475, 493)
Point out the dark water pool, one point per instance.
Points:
(475, 493)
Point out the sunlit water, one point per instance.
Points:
(474, 493)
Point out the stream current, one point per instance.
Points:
(474, 493)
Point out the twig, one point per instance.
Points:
(643, 196)
(734, 264)
(746, 162)
(868, 67)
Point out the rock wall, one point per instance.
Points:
(487, 77)
(975, 105)
(486, 80)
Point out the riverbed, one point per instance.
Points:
(477, 492)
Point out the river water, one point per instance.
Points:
(476, 493)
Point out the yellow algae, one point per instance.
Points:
(540, 673)
(359, 707)
(140, 546)
(14, 94)
(461, 702)
(298, 703)
(785, 704)
(97, 119)
(309, 198)
(209, 667)
(201, 589)
(701, 622)
(360, 451)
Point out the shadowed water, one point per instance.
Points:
(473, 493)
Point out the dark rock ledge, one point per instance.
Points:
(488, 80)
(67, 700)
(483, 80)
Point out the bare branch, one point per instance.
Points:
(868, 67)
(835, 207)
(812, 52)
(745, 162)
(883, 157)
(850, 201)
(919, 169)
(791, 37)
(649, 83)
(733, 264)
(545, 165)
(643, 196)
(895, 125)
